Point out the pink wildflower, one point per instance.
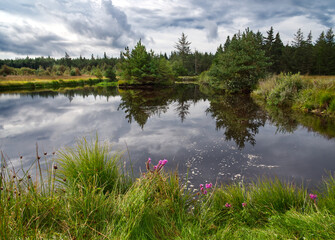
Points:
(202, 188)
(227, 205)
(201, 185)
(244, 204)
(209, 185)
(313, 196)
(149, 160)
(155, 167)
(164, 162)
(205, 192)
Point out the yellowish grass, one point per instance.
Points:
(33, 78)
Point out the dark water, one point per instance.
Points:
(214, 137)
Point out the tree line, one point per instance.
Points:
(301, 55)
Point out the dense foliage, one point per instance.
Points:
(145, 67)
(309, 94)
(301, 55)
(239, 67)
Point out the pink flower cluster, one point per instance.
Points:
(209, 185)
(313, 196)
(244, 204)
(157, 167)
(227, 205)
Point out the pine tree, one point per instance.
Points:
(320, 53)
(268, 47)
(330, 52)
(183, 47)
(277, 51)
(226, 44)
(239, 68)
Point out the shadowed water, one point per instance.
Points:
(212, 137)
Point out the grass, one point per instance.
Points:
(88, 194)
(37, 82)
(315, 94)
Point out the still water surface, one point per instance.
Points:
(213, 137)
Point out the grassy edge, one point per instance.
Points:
(87, 194)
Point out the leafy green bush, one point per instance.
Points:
(110, 74)
(285, 90)
(73, 72)
(5, 70)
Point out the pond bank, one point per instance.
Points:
(95, 198)
(311, 94)
(32, 83)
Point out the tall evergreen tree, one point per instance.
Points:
(320, 55)
(268, 47)
(330, 52)
(277, 50)
(226, 44)
(183, 47)
(239, 68)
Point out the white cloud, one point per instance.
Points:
(82, 27)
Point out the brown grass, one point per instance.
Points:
(32, 78)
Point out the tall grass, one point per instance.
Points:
(86, 194)
(308, 93)
(90, 164)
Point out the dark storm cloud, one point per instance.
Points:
(103, 22)
(263, 10)
(209, 15)
(15, 39)
(94, 25)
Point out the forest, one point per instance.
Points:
(303, 54)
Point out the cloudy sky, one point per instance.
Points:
(83, 27)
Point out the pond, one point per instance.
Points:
(206, 136)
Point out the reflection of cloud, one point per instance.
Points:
(194, 144)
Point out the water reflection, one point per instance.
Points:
(141, 104)
(210, 135)
(238, 116)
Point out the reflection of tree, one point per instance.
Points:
(239, 116)
(182, 109)
(287, 121)
(282, 119)
(185, 95)
(71, 93)
(140, 104)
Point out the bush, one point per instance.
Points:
(73, 72)
(98, 73)
(286, 89)
(110, 74)
(5, 70)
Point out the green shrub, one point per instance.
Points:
(73, 72)
(332, 105)
(286, 89)
(110, 74)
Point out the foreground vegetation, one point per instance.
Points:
(306, 93)
(88, 194)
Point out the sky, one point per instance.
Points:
(84, 27)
